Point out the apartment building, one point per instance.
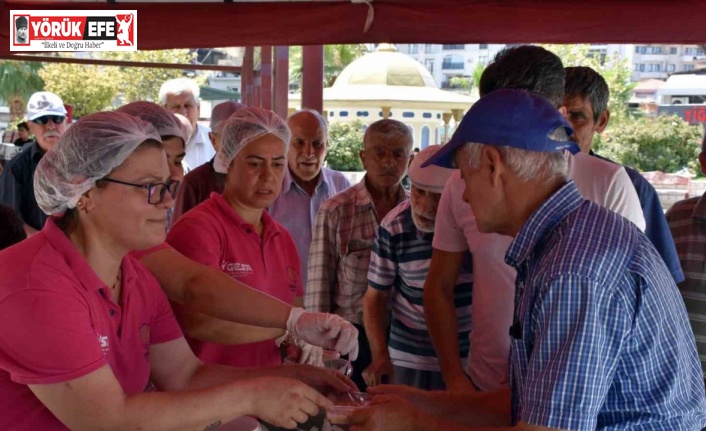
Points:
(654, 61)
(448, 61)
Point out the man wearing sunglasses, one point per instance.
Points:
(47, 122)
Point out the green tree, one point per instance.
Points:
(665, 143)
(462, 82)
(18, 80)
(345, 142)
(336, 58)
(477, 73)
(614, 70)
(87, 88)
(141, 83)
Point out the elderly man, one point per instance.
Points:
(181, 96)
(47, 121)
(398, 267)
(307, 184)
(586, 97)
(202, 181)
(600, 336)
(687, 221)
(535, 69)
(345, 228)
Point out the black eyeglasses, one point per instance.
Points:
(56, 119)
(155, 192)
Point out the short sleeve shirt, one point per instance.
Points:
(600, 335)
(399, 264)
(600, 181)
(214, 234)
(58, 322)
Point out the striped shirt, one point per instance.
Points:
(342, 239)
(687, 220)
(400, 262)
(600, 335)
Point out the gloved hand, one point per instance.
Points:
(325, 330)
(308, 354)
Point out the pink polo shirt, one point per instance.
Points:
(212, 233)
(58, 323)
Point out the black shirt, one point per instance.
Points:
(17, 185)
(19, 142)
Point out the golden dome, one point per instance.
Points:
(385, 66)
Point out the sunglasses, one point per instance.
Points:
(155, 192)
(56, 119)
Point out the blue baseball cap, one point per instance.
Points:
(509, 118)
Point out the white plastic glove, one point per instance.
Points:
(308, 354)
(325, 330)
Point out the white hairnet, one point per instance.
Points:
(245, 126)
(89, 150)
(162, 120)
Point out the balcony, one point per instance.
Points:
(452, 65)
(653, 57)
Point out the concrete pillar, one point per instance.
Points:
(446, 116)
(281, 80)
(266, 77)
(385, 112)
(313, 77)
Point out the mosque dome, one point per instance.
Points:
(385, 66)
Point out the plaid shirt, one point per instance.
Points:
(342, 239)
(687, 220)
(600, 339)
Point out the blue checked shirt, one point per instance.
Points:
(600, 338)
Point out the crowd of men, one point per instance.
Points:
(523, 280)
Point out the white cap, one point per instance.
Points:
(44, 103)
(432, 178)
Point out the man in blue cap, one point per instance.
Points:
(600, 337)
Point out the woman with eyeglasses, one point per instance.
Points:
(188, 282)
(85, 329)
(233, 232)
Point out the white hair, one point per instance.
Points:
(177, 87)
(527, 165)
(320, 118)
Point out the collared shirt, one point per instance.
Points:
(687, 220)
(602, 182)
(343, 235)
(399, 264)
(58, 322)
(657, 229)
(600, 339)
(296, 210)
(197, 187)
(199, 149)
(214, 234)
(17, 186)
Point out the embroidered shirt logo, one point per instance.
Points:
(103, 341)
(235, 269)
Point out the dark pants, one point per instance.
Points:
(365, 357)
